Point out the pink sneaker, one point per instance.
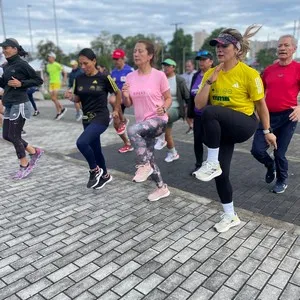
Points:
(142, 173)
(23, 172)
(126, 148)
(159, 193)
(122, 127)
(35, 157)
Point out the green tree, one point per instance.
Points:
(180, 48)
(117, 41)
(106, 43)
(44, 48)
(207, 46)
(265, 57)
(102, 45)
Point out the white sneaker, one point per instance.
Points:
(227, 222)
(160, 144)
(208, 171)
(170, 157)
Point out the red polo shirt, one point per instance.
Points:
(282, 85)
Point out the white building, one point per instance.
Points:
(199, 38)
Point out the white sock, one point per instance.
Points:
(173, 151)
(228, 209)
(213, 154)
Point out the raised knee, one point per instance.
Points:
(80, 143)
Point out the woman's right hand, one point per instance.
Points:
(125, 90)
(216, 72)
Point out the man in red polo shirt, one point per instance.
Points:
(282, 85)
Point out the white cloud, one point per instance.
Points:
(80, 21)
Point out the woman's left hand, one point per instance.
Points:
(160, 110)
(14, 82)
(295, 115)
(271, 139)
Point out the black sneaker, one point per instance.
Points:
(270, 175)
(59, 116)
(94, 178)
(103, 181)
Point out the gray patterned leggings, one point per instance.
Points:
(142, 136)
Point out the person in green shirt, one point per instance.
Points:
(54, 70)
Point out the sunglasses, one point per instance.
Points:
(203, 53)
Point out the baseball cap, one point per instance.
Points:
(10, 42)
(225, 39)
(73, 63)
(169, 62)
(52, 54)
(203, 54)
(118, 53)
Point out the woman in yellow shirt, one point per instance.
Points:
(234, 91)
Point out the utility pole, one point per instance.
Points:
(29, 24)
(175, 37)
(2, 18)
(55, 22)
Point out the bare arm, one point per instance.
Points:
(202, 96)
(117, 105)
(127, 101)
(161, 110)
(264, 117)
(65, 76)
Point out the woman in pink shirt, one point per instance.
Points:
(147, 89)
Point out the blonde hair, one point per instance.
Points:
(243, 39)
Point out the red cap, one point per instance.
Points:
(118, 53)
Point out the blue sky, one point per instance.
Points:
(80, 21)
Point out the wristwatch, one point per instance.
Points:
(266, 131)
(209, 82)
(164, 109)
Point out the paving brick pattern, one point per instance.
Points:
(59, 240)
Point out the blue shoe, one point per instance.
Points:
(279, 187)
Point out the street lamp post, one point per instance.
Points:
(29, 25)
(175, 37)
(2, 18)
(55, 22)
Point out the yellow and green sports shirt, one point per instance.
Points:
(54, 71)
(237, 88)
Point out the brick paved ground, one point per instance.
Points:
(59, 240)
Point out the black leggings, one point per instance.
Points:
(198, 140)
(30, 96)
(222, 128)
(12, 130)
